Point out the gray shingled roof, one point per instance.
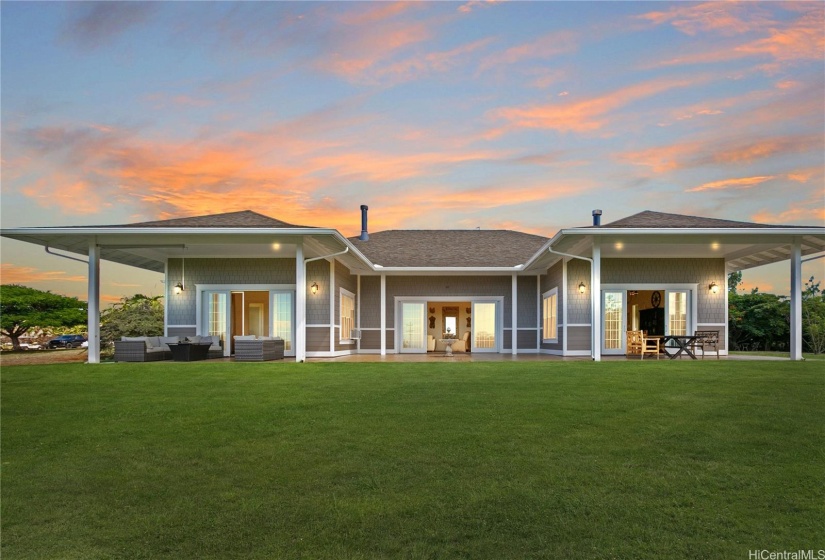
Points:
(650, 219)
(242, 219)
(449, 248)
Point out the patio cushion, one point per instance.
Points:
(153, 342)
(135, 339)
(245, 337)
(195, 339)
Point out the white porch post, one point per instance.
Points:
(595, 300)
(93, 317)
(796, 299)
(514, 311)
(383, 314)
(300, 304)
(358, 316)
(332, 316)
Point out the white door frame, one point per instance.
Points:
(498, 300)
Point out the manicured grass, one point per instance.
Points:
(368, 460)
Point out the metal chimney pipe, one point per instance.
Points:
(597, 217)
(364, 235)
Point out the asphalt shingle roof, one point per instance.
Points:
(650, 219)
(242, 219)
(449, 248)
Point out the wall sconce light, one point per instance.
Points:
(582, 287)
(314, 288)
(714, 288)
(178, 288)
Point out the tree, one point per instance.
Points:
(813, 317)
(734, 279)
(22, 308)
(758, 319)
(138, 315)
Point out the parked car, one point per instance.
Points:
(67, 341)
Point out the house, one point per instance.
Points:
(575, 294)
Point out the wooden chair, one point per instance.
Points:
(706, 340)
(639, 343)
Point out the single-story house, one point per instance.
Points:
(575, 294)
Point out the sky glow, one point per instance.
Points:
(522, 115)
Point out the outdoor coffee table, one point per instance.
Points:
(683, 343)
(189, 352)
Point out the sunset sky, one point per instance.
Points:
(513, 115)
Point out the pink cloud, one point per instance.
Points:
(727, 18)
(805, 212)
(588, 115)
(542, 48)
(737, 183)
(14, 274)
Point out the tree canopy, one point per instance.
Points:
(138, 315)
(22, 308)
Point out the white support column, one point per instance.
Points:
(94, 303)
(538, 313)
(563, 300)
(383, 314)
(796, 299)
(332, 305)
(358, 307)
(514, 311)
(596, 301)
(300, 304)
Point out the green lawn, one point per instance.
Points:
(473, 460)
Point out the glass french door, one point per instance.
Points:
(413, 328)
(282, 313)
(676, 312)
(485, 327)
(613, 322)
(216, 319)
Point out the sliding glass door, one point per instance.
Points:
(413, 328)
(216, 317)
(282, 312)
(485, 327)
(614, 322)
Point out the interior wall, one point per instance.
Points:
(438, 324)
(257, 297)
(642, 302)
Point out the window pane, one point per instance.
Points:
(484, 325)
(613, 320)
(677, 313)
(282, 318)
(412, 333)
(347, 316)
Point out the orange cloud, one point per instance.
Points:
(472, 4)
(738, 183)
(14, 274)
(442, 61)
(805, 212)
(727, 18)
(721, 151)
(798, 40)
(589, 115)
(544, 47)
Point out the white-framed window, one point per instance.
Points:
(347, 314)
(550, 322)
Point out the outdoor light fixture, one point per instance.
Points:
(582, 287)
(179, 286)
(314, 288)
(714, 288)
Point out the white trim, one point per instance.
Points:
(332, 305)
(577, 353)
(579, 325)
(527, 329)
(329, 354)
(796, 300)
(182, 326)
(300, 327)
(538, 311)
(596, 301)
(358, 307)
(564, 325)
(514, 316)
(384, 315)
(93, 304)
(165, 297)
(319, 326)
(711, 324)
(245, 287)
(546, 295)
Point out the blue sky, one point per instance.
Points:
(522, 115)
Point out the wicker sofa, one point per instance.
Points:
(258, 349)
(155, 348)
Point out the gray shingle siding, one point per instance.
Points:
(578, 304)
(318, 304)
(181, 308)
